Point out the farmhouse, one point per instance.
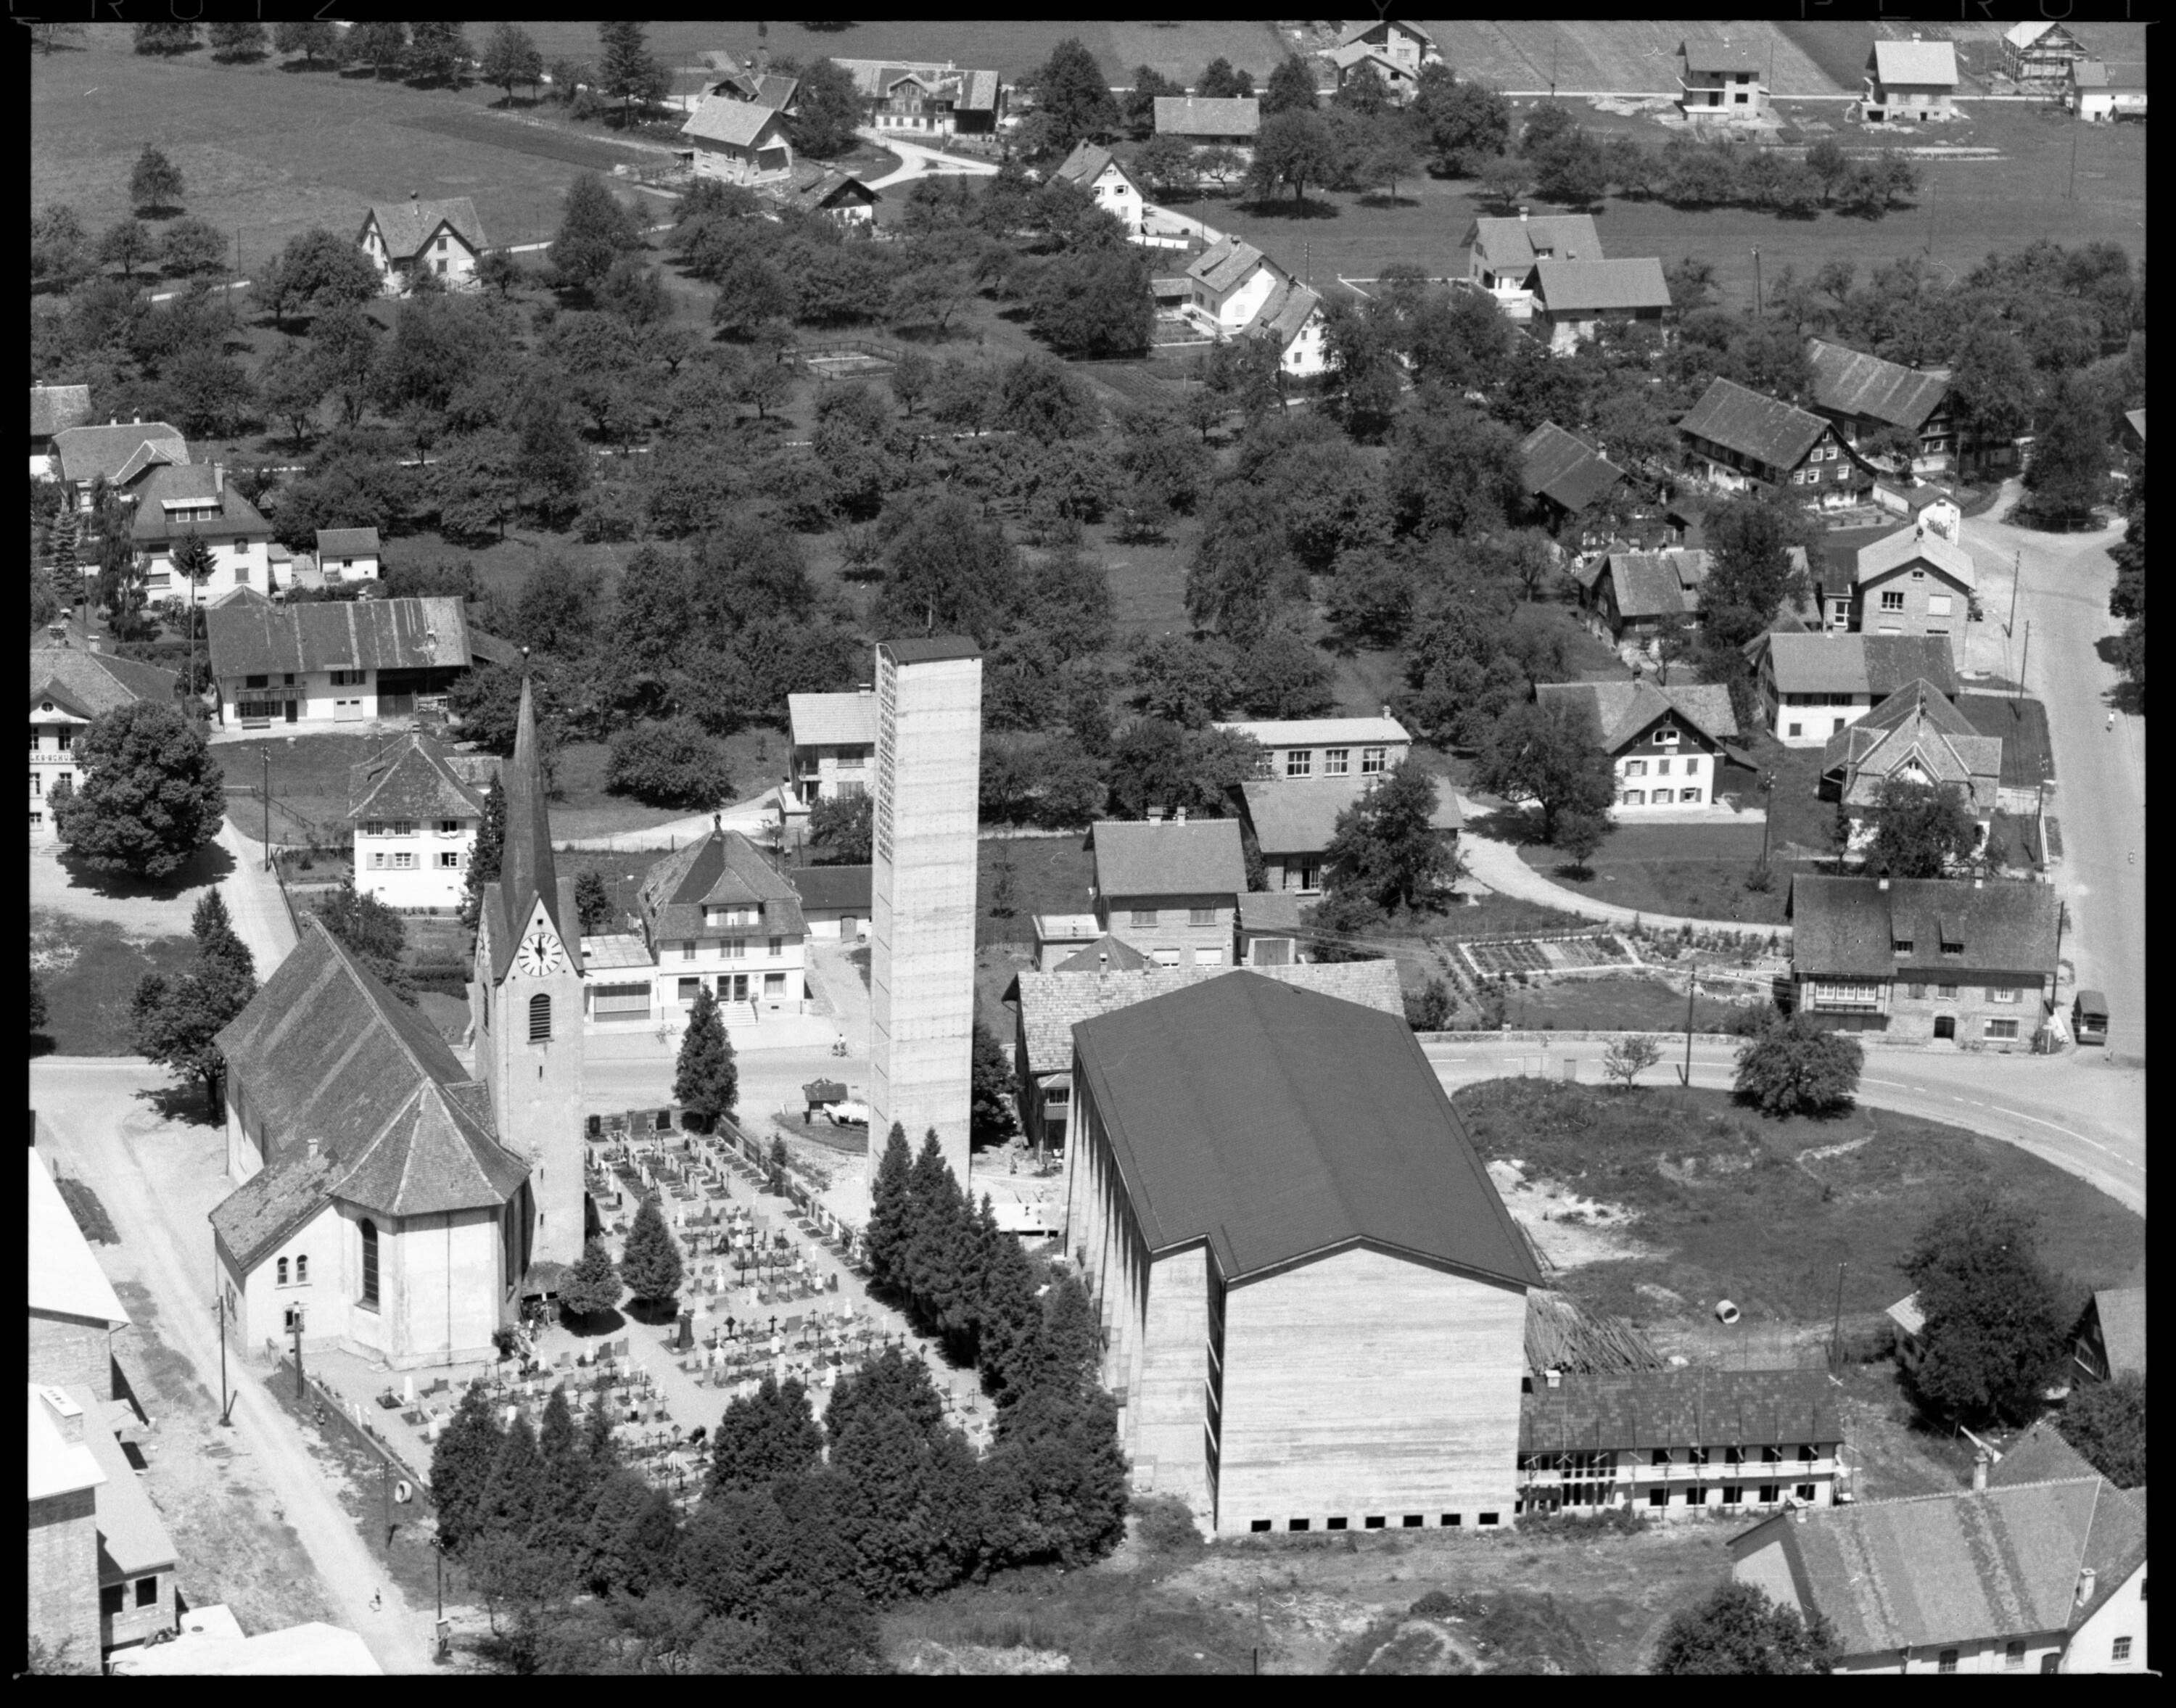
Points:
(2040, 55)
(70, 686)
(835, 745)
(1501, 254)
(1390, 50)
(1679, 1443)
(1811, 686)
(737, 142)
(123, 452)
(754, 82)
(1914, 735)
(1924, 958)
(1169, 887)
(1741, 441)
(416, 810)
(1290, 826)
(812, 188)
(2027, 1578)
(177, 501)
(835, 901)
(1563, 473)
(53, 409)
(1277, 1179)
(1572, 298)
(2111, 1337)
(1292, 318)
(1866, 396)
(2102, 90)
(1231, 122)
(1231, 282)
(1668, 745)
(443, 238)
(1309, 747)
(1100, 172)
(1639, 595)
(344, 661)
(1910, 82)
(1909, 582)
(1718, 83)
(1047, 1005)
(928, 99)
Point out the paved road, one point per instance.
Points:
(2079, 1111)
(85, 1103)
(914, 160)
(1498, 865)
(2064, 583)
(254, 902)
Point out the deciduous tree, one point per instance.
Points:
(669, 762)
(2106, 1423)
(1738, 1630)
(1549, 755)
(1793, 1066)
(826, 108)
(313, 38)
(594, 230)
(510, 59)
(1996, 1321)
(150, 794)
(1629, 1057)
(1072, 97)
(1921, 830)
(1386, 846)
(1294, 149)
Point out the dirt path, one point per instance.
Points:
(102, 1134)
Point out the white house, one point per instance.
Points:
(1227, 285)
(348, 554)
(70, 686)
(1306, 749)
(443, 238)
(835, 745)
(1667, 746)
(1390, 50)
(1501, 254)
(1719, 83)
(1292, 318)
(1910, 82)
(123, 452)
(177, 501)
(1813, 686)
(1100, 172)
(338, 661)
(2101, 91)
(416, 811)
(737, 142)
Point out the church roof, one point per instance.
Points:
(527, 873)
(358, 1097)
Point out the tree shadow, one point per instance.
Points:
(42, 1044)
(182, 1104)
(595, 1325)
(1520, 826)
(1573, 871)
(1287, 207)
(653, 1313)
(1388, 198)
(207, 866)
(310, 67)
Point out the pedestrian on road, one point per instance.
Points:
(2111, 723)
(376, 1606)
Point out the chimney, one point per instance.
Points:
(2087, 1577)
(1979, 1471)
(1522, 216)
(219, 478)
(66, 1415)
(136, 421)
(1884, 883)
(1178, 815)
(1102, 961)
(412, 196)
(1386, 711)
(1553, 1378)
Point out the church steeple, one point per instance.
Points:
(528, 877)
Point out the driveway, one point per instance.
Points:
(2099, 799)
(1497, 866)
(916, 161)
(155, 1179)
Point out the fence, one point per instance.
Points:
(333, 1414)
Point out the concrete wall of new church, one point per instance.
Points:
(1366, 1385)
(1167, 1415)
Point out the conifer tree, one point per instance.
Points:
(771, 1433)
(649, 1263)
(1011, 1314)
(706, 1082)
(563, 1511)
(891, 1214)
(600, 1449)
(891, 1379)
(217, 943)
(514, 1494)
(592, 1285)
(933, 1236)
(490, 849)
(906, 1515)
(460, 1467)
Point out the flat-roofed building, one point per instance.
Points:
(1304, 749)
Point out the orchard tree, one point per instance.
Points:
(705, 1080)
(827, 109)
(1294, 149)
(438, 53)
(1291, 87)
(2067, 473)
(1628, 1058)
(1579, 834)
(177, 1021)
(841, 825)
(241, 39)
(1221, 80)
(2106, 1423)
(510, 59)
(150, 796)
(128, 245)
(1996, 1321)
(166, 39)
(313, 38)
(1794, 1066)
(318, 272)
(192, 248)
(1386, 845)
(379, 43)
(1549, 755)
(594, 230)
(1738, 1630)
(669, 762)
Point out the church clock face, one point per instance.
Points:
(539, 953)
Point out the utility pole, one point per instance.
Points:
(1756, 284)
(265, 753)
(1836, 1331)
(2017, 574)
(2055, 972)
(1685, 1073)
(296, 1321)
(225, 1398)
(2026, 659)
(1768, 793)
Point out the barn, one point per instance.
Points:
(1314, 1300)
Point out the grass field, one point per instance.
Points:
(90, 969)
(1711, 886)
(270, 152)
(2021, 726)
(1629, 54)
(1637, 1004)
(1762, 1212)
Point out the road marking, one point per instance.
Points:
(2019, 1115)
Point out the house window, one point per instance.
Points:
(1488, 1518)
(1373, 760)
(1918, 992)
(1265, 765)
(1666, 737)
(373, 827)
(689, 987)
(255, 680)
(279, 1273)
(1918, 575)
(1688, 797)
(1733, 1495)
(734, 947)
(1201, 916)
(348, 678)
(1952, 949)
(2120, 1650)
(111, 1597)
(540, 1019)
(1797, 729)
(1861, 996)
(369, 1231)
(2003, 993)
(146, 1592)
(1300, 762)
(1947, 1662)
(1900, 946)
(1893, 600)
(301, 1270)
(777, 947)
(1947, 992)
(1660, 1455)
(449, 827)
(1806, 1492)
(1633, 797)
(2002, 1029)
(1635, 768)
(1658, 1497)
(402, 827)
(404, 862)
(378, 863)
(450, 862)
(1696, 1456)
(1661, 798)
(441, 267)
(1142, 916)
(2013, 1657)
(1662, 767)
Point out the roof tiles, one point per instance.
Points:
(1563, 469)
(1601, 287)
(1639, 1410)
(1849, 926)
(1852, 383)
(252, 636)
(1776, 433)
(1202, 857)
(407, 226)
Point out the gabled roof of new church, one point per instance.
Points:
(327, 1057)
(527, 872)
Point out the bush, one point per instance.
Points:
(669, 763)
(1165, 1525)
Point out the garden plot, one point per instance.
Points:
(1532, 955)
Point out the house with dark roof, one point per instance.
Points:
(1679, 1442)
(826, 190)
(1229, 122)
(342, 661)
(1719, 84)
(1229, 283)
(53, 408)
(1563, 473)
(1637, 596)
(443, 238)
(1292, 318)
(1276, 1178)
(1391, 51)
(70, 687)
(922, 98)
(1501, 254)
(1955, 960)
(1572, 299)
(1916, 735)
(713, 915)
(1738, 440)
(1094, 169)
(1811, 685)
(1109, 975)
(2039, 55)
(377, 1206)
(417, 809)
(1668, 746)
(2021, 1578)
(835, 745)
(834, 899)
(1865, 395)
(2110, 1340)
(737, 142)
(122, 453)
(2101, 91)
(177, 502)
(1907, 581)
(1168, 887)
(1910, 82)
(1289, 826)
(753, 80)
(347, 554)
